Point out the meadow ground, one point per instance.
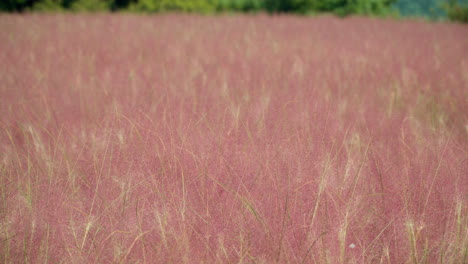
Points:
(232, 139)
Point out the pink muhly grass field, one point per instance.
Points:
(232, 139)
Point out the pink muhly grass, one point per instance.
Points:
(232, 139)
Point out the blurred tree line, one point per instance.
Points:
(342, 7)
(453, 8)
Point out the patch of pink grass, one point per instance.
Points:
(232, 139)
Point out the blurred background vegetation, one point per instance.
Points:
(433, 9)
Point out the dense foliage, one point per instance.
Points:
(454, 10)
(457, 12)
(341, 7)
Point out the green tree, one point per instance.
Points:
(91, 5)
(201, 6)
(284, 6)
(341, 7)
(15, 5)
(457, 11)
(240, 5)
(121, 4)
(48, 5)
